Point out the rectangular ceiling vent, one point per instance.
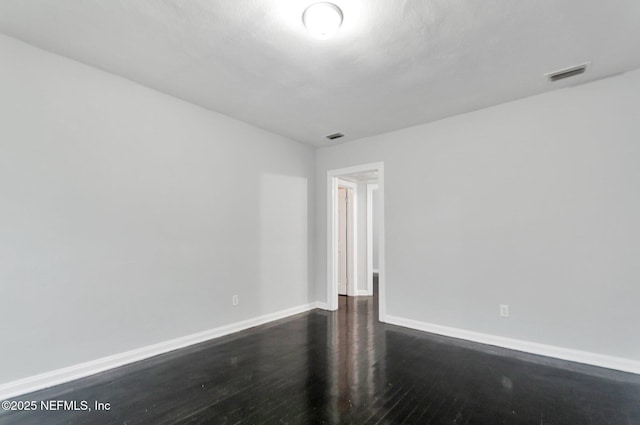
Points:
(567, 72)
(335, 136)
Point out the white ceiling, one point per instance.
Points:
(393, 64)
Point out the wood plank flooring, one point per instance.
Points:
(344, 368)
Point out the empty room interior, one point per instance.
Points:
(300, 212)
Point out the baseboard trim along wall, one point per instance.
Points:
(322, 306)
(594, 359)
(81, 370)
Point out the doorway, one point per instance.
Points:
(346, 189)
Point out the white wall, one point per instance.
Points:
(128, 217)
(533, 203)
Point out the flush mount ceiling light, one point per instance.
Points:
(322, 20)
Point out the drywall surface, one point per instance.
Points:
(533, 203)
(128, 217)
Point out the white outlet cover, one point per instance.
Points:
(504, 310)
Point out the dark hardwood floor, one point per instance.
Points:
(345, 368)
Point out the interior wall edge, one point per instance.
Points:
(322, 305)
(578, 356)
(59, 376)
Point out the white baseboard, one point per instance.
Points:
(594, 359)
(60, 376)
(362, 293)
(322, 306)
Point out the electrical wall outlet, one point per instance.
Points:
(504, 310)
(234, 300)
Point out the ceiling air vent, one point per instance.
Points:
(335, 136)
(567, 72)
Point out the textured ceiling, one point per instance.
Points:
(393, 64)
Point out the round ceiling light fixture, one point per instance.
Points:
(322, 20)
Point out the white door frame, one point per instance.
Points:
(332, 234)
(352, 210)
(371, 187)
